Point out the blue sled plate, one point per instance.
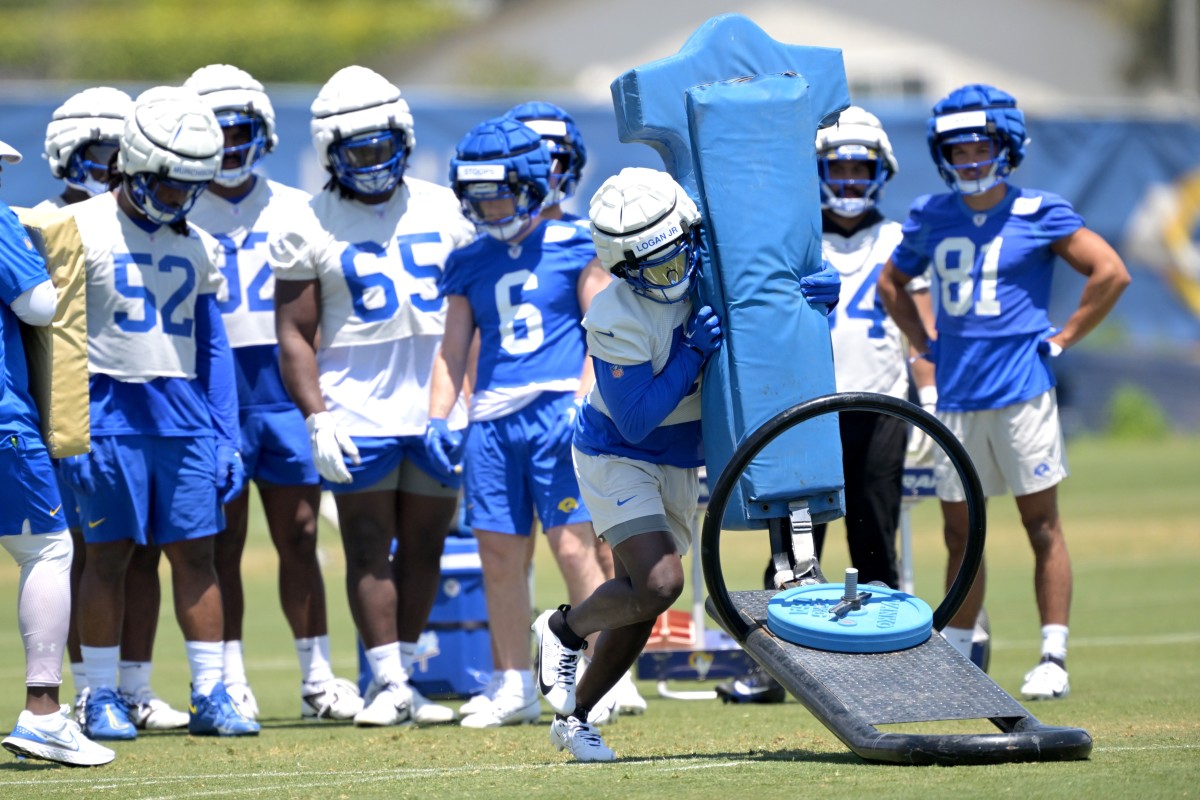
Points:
(888, 620)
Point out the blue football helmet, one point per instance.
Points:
(977, 113)
(501, 159)
(558, 130)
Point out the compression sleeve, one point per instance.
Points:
(215, 370)
(36, 306)
(638, 400)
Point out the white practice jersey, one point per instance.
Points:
(869, 353)
(623, 328)
(141, 292)
(242, 228)
(382, 318)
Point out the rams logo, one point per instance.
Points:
(568, 504)
(1162, 234)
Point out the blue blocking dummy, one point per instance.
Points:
(734, 115)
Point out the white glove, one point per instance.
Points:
(920, 446)
(328, 446)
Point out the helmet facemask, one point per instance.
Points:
(481, 197)
(164, 200)
(88, 167)
(991, 171)
(850, 197)
(665, 274)
(246, 141)
(370, 163)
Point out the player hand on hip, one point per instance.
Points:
(329, 445)
(822, 287)
(77, 472)
(444, 446)
(231, 472)
(1047, 347)
(703, 332)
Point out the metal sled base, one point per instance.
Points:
(851, 693)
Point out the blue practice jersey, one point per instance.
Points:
(21, 269)
(525, 302)
(991, 280)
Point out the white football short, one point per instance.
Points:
(1018, 447)
(629, 497)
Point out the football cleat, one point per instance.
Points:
(583, 740)
(606, 712)
(629, 699)
(80, 712)
(391, 705)
(243, 698)
(336, 698)
(1046, 681)
(55, 737)
(218, 715)
(107, 716)
(508, 708)
(427, 712)
(557, 665)
(755, 686)
(484, 699)
(151, 713)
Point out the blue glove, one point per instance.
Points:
(231, 473)
(703, 332)
(931, 351)
(77, 472)
(824, 287)
(1048, 348)
(444, 446)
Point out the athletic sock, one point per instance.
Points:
(101, 666)
(205, 660)
(79, 675)
(313, 652)
(233, 664)
(959, 638)
(386, 664)
(1054, 643)
(134, 676)
(559, 627)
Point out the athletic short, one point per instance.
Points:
(31, 500)
(70, 503)
(276, 448)
(395, 464)
(519, 465)
(1018, 447)
(152, 489)
(629, 497)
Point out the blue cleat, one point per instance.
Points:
(106, 716)
(218, 715)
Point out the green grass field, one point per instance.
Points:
(1132, 517)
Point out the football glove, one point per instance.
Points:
(444, 446)
(703, 332)
(822, 287)
(77, 472)
(231, 472)
(331, 447)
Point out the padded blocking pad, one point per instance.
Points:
(760, 202)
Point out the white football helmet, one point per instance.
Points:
(171, 141)
(363, 130)
(83, 134)
(237, 99)
(857, 136)
(646, 231)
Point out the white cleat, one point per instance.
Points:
(427, 712)
(606, 712)
(629, 699)
(55, 737)
(149, 712)
(583, 740)
(336, 698)
(557, 666)
(481, 701)
(508, 708)
(1046, 681)
(391, 705)
(243, 698)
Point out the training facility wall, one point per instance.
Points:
(1135, 181)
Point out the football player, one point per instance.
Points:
(241, 209)
(163, 405)
(524, 286)
(362, 268)
(33, 528)
(81, 149)
(993, 248)
(558, 130)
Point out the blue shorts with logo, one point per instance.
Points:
(379, 456)
(152, 489)
(276, 447)
(30, 488)
(520, 465)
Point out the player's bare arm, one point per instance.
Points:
(900, 305)
(297, 319)
(1091, 256)
(453, 358)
